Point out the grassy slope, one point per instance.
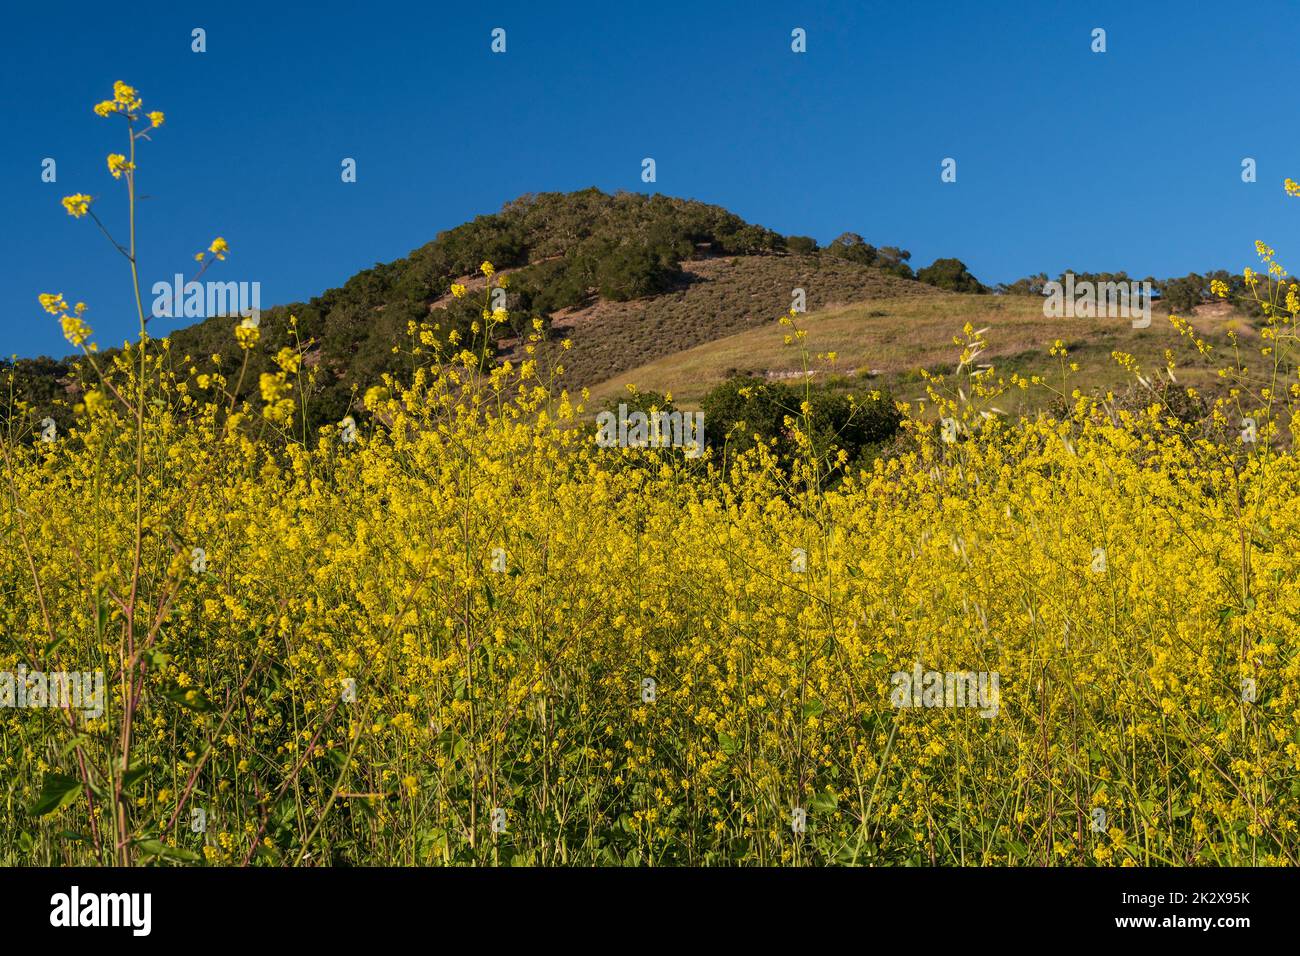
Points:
(722, 297)
(896, 337)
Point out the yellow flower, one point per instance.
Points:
(457, 290)
(52, 303)
(219, 248)
(74, 329)
(118, 164)
(487, 269)
(156, 119)
(273, 386)
(123, 94)
(288, 360)
(77, 205)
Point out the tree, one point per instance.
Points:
(1183, 295)
(635, 271)
(1029, 285)
(854, 248)
(894, 260)
(950, 274)
(855, 423)
(761, 406)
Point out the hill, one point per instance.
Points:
(673, 294)
(629, 277)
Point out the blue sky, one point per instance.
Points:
(1129, 159)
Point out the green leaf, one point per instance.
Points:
(80, 740)
(53, 645)
(156, 658)
(812, 708)
(727, 743)
(157, 848)
(133, 775)
(57, 791)
(191, 698)
(824, 802)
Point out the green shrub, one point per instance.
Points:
(950, 274)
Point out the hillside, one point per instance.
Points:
(628, 277)
(720, 297)
(886, 342)
(670, 294)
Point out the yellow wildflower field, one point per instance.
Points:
(455, 629)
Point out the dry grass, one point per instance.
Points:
(889, 340)
(723, 296)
